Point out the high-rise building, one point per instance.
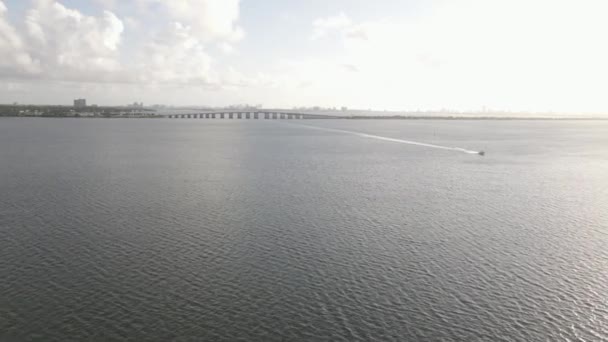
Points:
(80, 103)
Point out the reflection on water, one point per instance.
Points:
(213, 230)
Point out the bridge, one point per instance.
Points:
(253, 115)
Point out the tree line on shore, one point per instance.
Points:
(69, 111)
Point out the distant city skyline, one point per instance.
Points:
(485, 111)
(518, 56)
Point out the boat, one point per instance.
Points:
(481, 153)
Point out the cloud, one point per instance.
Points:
(537, 55)
(324, 26)
(15, 57)
(340, 24)
(175, 56)
(69, 45)
(209, 19)
(63, 44)
(350, 67)
(356, 33)
(516, 54)
(226, 48)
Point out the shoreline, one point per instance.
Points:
(444, 118)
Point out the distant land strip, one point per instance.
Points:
(59, 111)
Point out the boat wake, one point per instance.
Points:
(401, 141)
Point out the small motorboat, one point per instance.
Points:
(481, 153)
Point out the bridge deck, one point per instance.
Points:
(248, 115)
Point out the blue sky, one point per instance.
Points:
(519, 55)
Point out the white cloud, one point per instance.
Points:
(63, 44)
(226, 48)
(178, 53)
(67, 52)
(517, 54)
(15, 57)
(209, 19)
(70, 45)
(324, 26)
(175, 56)
(537, 55)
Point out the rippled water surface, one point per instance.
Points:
(192, 230)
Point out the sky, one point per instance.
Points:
(514, 55)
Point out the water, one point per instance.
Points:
(192, 230)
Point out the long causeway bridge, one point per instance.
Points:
(267, 115)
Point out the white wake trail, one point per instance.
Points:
(401, 141)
